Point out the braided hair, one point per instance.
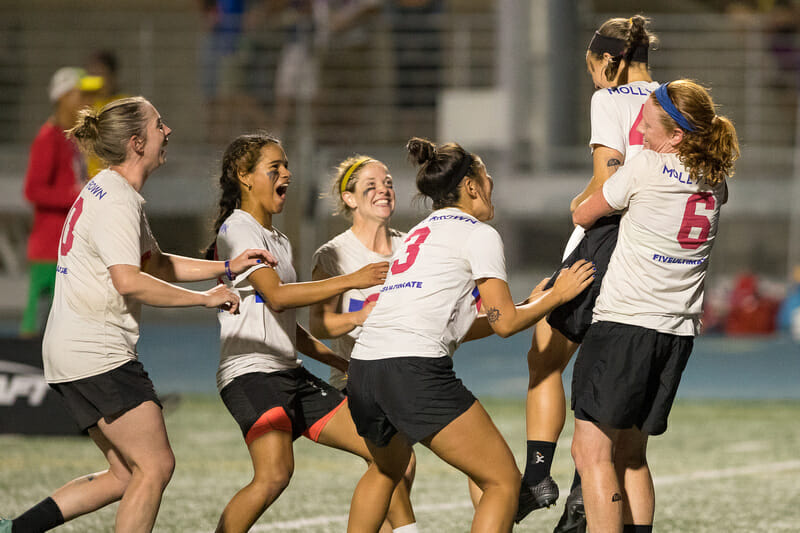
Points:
(634, 33)
(240, 157)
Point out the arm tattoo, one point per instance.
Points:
(492, 315)
(613, 162)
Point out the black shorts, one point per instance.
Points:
(294, 401)
(573, 318)
(627, 376)
(108, 395)
(417, 396)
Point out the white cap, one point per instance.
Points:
(67, 78)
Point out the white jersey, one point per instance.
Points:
(257, 339)
(341, 255)
(430, 299)
(92, 328)
(616, 113)
(656, 275)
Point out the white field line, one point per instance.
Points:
(728, 472)
(659, 481)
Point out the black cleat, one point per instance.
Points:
(532, 497)
(574, 518)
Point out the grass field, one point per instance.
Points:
(723, 466)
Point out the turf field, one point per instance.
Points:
(729, 466)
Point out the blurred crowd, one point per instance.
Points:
(751, 305)
(261, 59)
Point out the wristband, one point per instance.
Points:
(228, 270)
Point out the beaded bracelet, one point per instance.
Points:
(228, 270)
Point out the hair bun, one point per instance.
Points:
(421, 150)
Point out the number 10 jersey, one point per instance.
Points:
(92, 328)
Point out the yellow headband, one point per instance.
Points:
(351, 171)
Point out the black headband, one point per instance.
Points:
(600, 44)
(461, 171)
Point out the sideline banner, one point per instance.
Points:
(27, 404)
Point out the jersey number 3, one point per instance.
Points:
(69, 226)
(692, 220)
(418, 237)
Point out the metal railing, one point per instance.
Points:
(372, 91)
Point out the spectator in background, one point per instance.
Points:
(782, 26)
(104, 64)
(56, 173)
(291, 38)
(789, 311)
(297, 71)
(223, 21)
(223, 64)
(416, 42)
(750, 313)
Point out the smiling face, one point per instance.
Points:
(657, 136)
(373, 196)
(156, 138)
(269, 179)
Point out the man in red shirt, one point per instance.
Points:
(56, 173)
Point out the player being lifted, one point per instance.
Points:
(617, 62)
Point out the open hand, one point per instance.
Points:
(251, 257)
(370, 275)
(537, 291)
(573, 280)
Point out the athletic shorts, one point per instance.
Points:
(108, 395)
(627, 376)
(294, 401)
(573, 318)
(417, 396)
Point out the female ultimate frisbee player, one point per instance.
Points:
(401, 384)
(617, 63)
(649, 308)
(109, 264)
(272, 397)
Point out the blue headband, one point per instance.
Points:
(671, 110)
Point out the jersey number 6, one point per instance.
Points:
(412, 250)
(692, 220)
(69, 226)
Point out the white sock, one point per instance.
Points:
(408, 528)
